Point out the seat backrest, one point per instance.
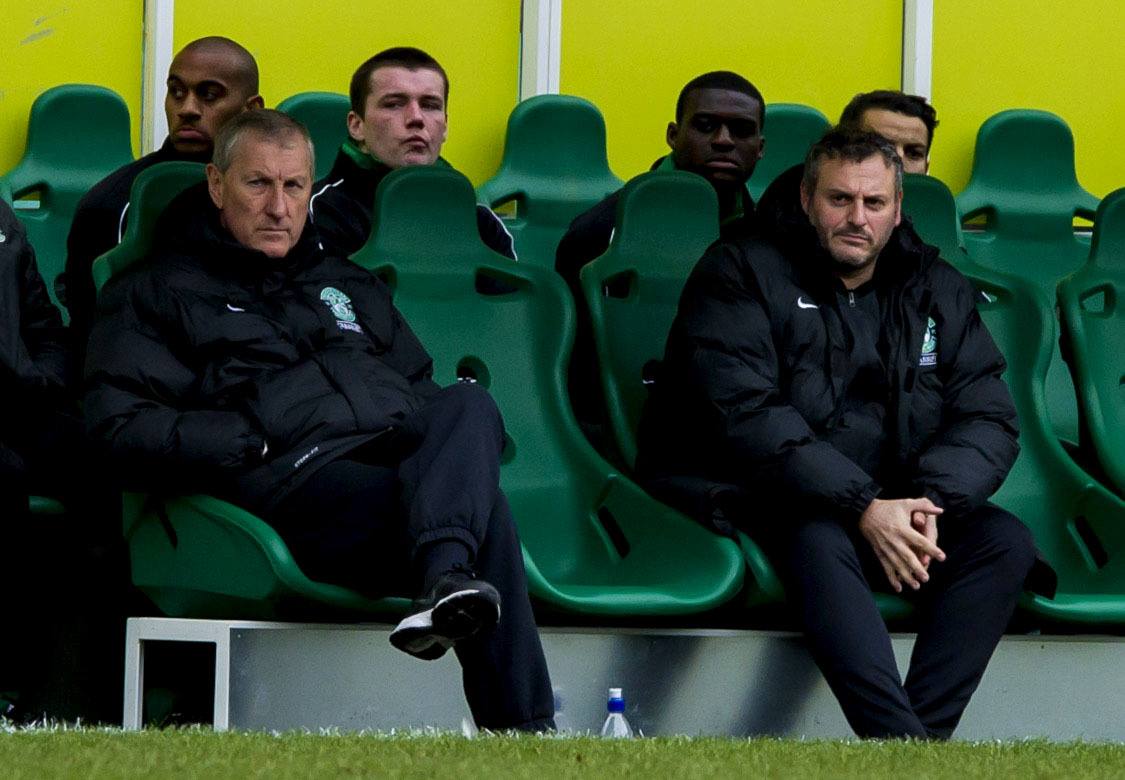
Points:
(665, 222)
(1092, 308)
(933, 212)
(325, 114)
(150, 194)
(77, 134)
(554, 167)
(1023, 177)
(425, 243)
(790, 129)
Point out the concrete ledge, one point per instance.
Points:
(282, 676)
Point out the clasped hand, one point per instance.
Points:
(903, 533)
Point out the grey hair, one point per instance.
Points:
(853, 146)
(265, 123)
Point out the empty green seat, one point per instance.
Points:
(554, 168)
(1024, 183)
(5, 192)
(325, 114)
(790, 130)
(198, 556)
(594, 542)
(1092, 305)
(77, 134)
(933, 212)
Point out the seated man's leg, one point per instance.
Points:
(504, 671)
(823, 569)
(966, 606)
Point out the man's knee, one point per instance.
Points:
(1005, 542)
(471, 400)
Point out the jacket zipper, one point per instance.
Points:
(851, 299)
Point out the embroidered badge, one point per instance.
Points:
(929, 344)
(3, 237)
(340, 304)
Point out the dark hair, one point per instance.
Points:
(841, 143)
(891, 100)
(247, 66)
(265, 123)
(720, 79)
(399, 57)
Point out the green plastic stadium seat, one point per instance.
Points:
(77, 134)
(1092, 305)
(932, 210)
(198, 556)
(594, 542)
(790, 130)
(1023, 181)
(1077, 523)
(5, 192)
(665, 222)
(325, 114)
(554, 168)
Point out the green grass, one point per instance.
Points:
(88, 753)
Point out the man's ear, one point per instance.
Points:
(215, 185)
(927, 171)
(898, 208)
(255, 102)
(806, 196)
(761, 147)
(671, 134)
(355, 128)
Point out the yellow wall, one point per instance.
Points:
(631, 58)
(1060, 57)
(49, 42)
(317, 46)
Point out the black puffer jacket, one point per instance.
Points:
(754, 384)
(210, 350)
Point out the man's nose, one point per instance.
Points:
(275, 203)
(190, 106)
(413, 114)
(722, 136)
(857, 214)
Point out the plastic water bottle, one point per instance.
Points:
(615, 726)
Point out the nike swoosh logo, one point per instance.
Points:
(234, 308)
(803, 305)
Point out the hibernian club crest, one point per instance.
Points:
(929, 344)
(340, 304)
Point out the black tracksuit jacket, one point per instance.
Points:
(758, 390)
(343, 202)
(209, 350)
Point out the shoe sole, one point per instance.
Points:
(428, 634)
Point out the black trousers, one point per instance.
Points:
(830, 571)
(361, 521)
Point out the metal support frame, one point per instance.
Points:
(160, 18)
(540, 47)
(918, 47)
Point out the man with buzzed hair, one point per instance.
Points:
(211, 80)
(243, 360)
(399, 117)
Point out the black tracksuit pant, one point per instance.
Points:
(829, 572)
(366, 520)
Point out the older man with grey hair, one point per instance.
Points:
(243, 361)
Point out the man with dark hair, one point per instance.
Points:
(398, 117)
(244, 361)
(209, 81)
(907, 121)
(717, 134)
(839, 393)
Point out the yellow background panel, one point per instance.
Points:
(1060, 57)
(44, 43)
(632, 57)
(317, 46)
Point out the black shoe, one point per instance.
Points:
(457, 606)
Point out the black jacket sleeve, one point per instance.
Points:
(141, 395)
(586, 240)
(494, 234)
(722, 345)
(977, 443)
(33, 342)
(341, 223)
